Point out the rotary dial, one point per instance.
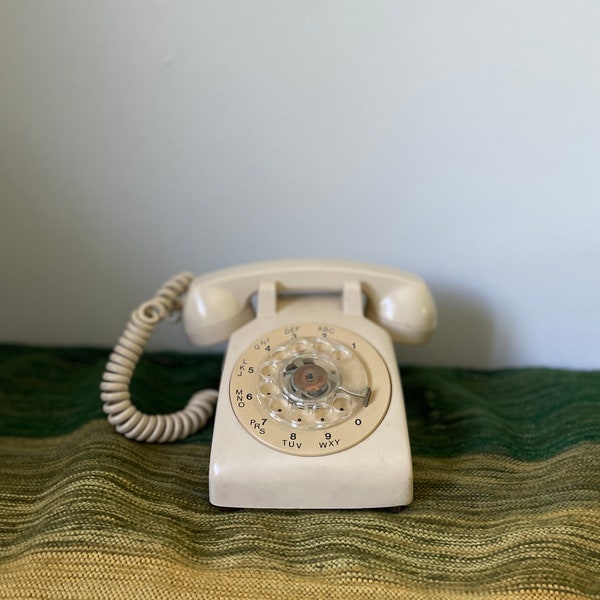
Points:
(310, 389)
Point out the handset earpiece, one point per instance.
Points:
(211, 313)
(406, 311)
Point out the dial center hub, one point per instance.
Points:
(310, 379)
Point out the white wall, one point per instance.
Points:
(458, 139)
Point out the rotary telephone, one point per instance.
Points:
(310, 412)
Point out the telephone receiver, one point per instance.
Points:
(310, 411)
(220, 302)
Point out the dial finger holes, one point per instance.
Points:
(342, 403)
(300, 382)
(298, 417)
(322, 346)
(268, 369)
(278, 407)
(340, 353)
(322, 416)
(281, 353)
(268, 388)
(300, 345)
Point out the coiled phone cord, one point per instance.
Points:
(122, 414)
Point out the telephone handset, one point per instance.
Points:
(310, 411)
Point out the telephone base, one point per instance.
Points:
(361, 461)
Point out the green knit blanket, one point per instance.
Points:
(507, 494)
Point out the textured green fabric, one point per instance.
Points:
(507, 494)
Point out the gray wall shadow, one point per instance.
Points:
(465, 335)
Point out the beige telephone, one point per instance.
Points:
(310, 411)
